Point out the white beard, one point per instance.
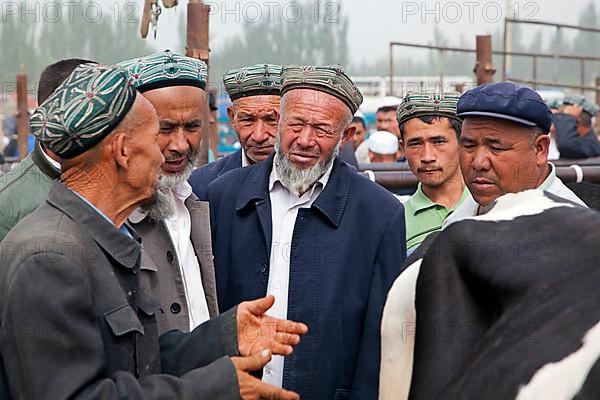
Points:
(299, 181)
(164, 204)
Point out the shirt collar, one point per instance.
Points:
(275, 177)
(245, 160)
(549, 181)
(183, 190)
(419, 201)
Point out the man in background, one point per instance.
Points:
(430, 130)
(575, 135)
(383, 147)
(255, 93)
(26, 185)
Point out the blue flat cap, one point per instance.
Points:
(506, 100)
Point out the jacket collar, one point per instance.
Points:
(256, 183)
(123, 249)
(331, 202)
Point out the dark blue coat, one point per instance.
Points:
(570, 144)
(203, 176)
(346, 251)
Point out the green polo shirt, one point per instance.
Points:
(424, 217)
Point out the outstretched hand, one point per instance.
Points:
(252, 388)
(258, 331)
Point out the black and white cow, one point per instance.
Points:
(505, 305)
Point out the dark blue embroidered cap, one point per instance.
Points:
(506, 100)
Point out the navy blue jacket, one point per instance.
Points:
(346, 251)
(570, 144)
(203, 176)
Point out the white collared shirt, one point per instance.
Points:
(180, 229)
(284, 210)
(245, 160)
(552, 184)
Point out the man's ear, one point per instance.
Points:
(400, 145)
(349, 131)
(231, 114)
(120, 149)
(542, 145)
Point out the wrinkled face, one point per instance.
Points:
(254, 119)
(499, 157)
(146, 157)
(310, 127)
(180, 111)
(431, 151)
(386, 121)
(359, 134)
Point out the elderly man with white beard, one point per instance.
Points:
(305, 227)
(177, 252)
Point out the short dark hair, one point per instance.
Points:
(360, 120)
(386, 109)
(428, 119)
(55, 74)
(585, 119)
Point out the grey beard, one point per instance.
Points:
(299, 180)
(163, 206)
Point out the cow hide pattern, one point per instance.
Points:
(505, 305)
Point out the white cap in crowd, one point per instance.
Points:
(382, 142)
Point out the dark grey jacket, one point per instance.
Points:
(160, 264)
(75, 324)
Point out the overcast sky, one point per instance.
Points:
(374, 23)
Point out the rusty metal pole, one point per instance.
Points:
(484, 68)
(197, 47)
(22, 114)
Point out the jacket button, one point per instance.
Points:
(169, 256)
(263, 268)
(175, 308)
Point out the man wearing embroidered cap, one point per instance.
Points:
(430, 129)
(98, 336)
(575, 135)
(176, 229)
(289, 226)
(26, 185)
(255, 93)
(504, 146)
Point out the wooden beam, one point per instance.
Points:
(22, 114)
(197, 47)
(484, 67)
